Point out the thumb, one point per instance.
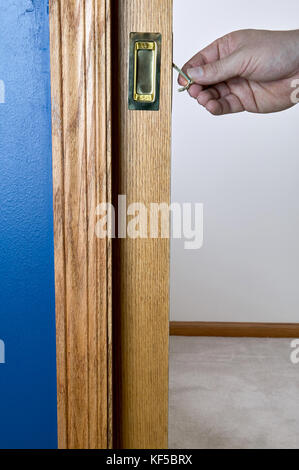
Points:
(215, 72)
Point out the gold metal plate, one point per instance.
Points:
(144, 71)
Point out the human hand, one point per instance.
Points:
(248, 70)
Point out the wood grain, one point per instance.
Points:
(141, 172)
(227, 329)
(81, 129)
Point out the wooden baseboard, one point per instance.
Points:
(241, 330)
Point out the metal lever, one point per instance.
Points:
(189, 80)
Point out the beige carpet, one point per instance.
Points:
(233, 393)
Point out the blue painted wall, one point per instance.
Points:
(28, 377)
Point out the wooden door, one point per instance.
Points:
(141, 266)
(100, 150)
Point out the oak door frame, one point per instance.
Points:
(100, 150)
(81, 135)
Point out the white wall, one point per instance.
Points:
(245, 169)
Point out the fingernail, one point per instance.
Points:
(195, 73)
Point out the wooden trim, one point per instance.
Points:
(81, 128)
(142, 142)
(223, 329)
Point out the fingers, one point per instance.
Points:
(228, 105)
(219, 100)
(216, 72)
(210, 69)
(208, 95)
(218, 91)
(195, 61)
(214, 64)
(195, 89)
(215, 51)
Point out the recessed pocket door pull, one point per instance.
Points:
(144, 71)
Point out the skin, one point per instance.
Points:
(247, 70)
